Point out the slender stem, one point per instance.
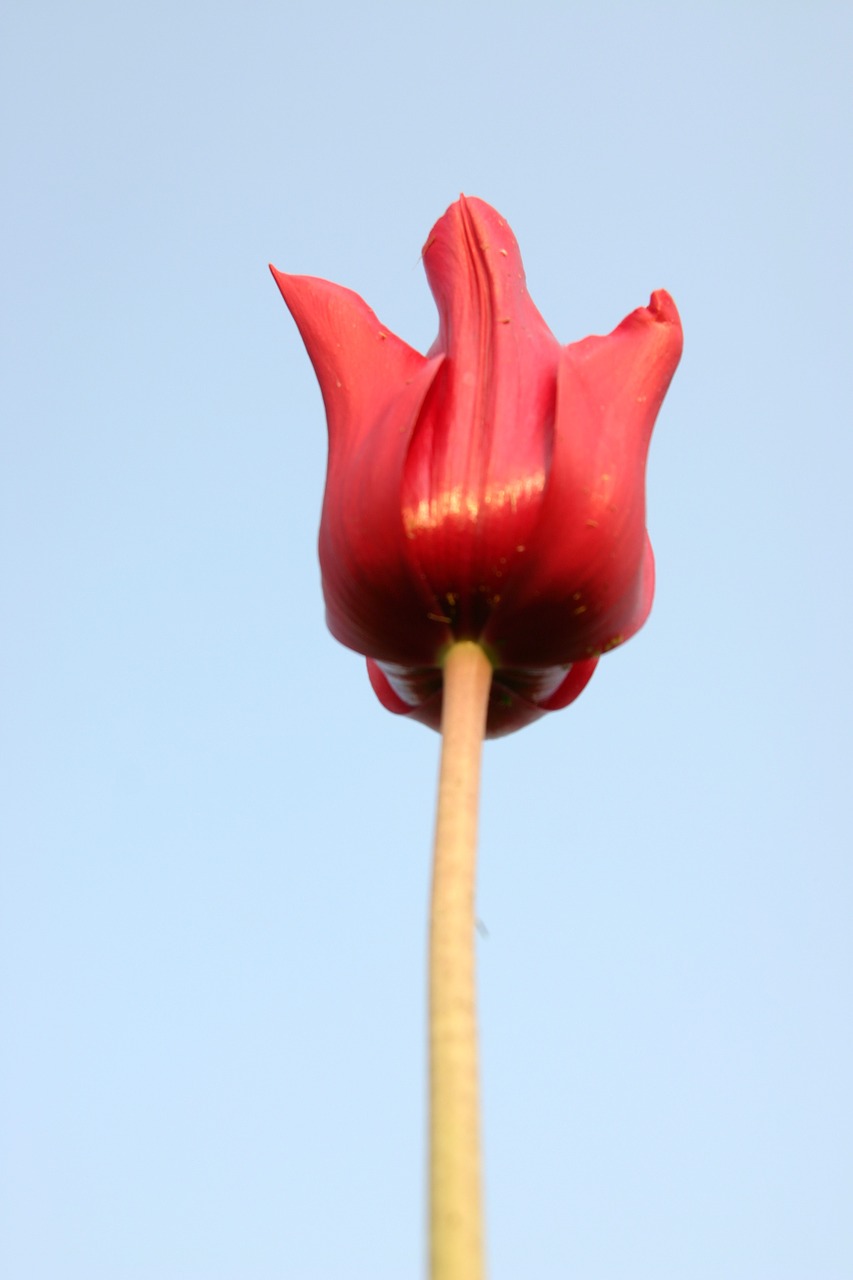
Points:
(456, 1210)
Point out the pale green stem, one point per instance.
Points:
(456, 1207)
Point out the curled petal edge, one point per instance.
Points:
(509, 708)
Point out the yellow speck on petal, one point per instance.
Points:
(580, 609)
(453, 504)
(613, 643)
(438, 617)
(592, 524)
(503, 251)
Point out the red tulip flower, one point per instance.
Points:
(483, 542)
(490, 490)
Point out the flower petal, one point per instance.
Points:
(373, 386)
(589, 581)
(479, 456)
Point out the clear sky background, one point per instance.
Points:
(216, 842)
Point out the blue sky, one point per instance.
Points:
(215, 841)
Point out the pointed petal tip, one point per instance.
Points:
(660, 324)
(662, 308)
(475, 202)
(281, 280)
(466, 209)
(292, 284)
(663, 311)
(472, 249)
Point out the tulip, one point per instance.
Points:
(482, 543)
(491, 490)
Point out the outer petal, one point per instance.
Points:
(589, 579)
(373, 386)
(479, 455)
(517, 697)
